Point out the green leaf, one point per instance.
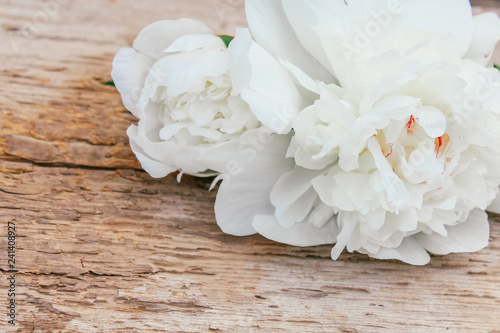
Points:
(109, 84)
(226, 39)
(497, 67)
(209, 172)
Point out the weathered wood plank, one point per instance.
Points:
(102, 247)
(116, 250)
(486, 3)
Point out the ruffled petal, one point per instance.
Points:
(432, 121)
(391, 108)
(300, 234)
(263, 83)
(494, 207)
(195, 42)
(368, 39)
(159, 158)
(485, 38)
(410, 251)
(293, 196)
(446, 17)
(303, 17)
(153, 167)
(186, 72)
(130, 69)
(156, 37)
(272, 30)
(251, 175)
(469, 236)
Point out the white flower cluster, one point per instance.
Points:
(371, 124)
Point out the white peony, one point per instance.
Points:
(177, 80)
(397, 150)
(417, 165)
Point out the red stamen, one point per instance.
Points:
(391, 145)
(441, 144)
(411, 123)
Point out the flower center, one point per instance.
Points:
(414, 155)
(209, 116)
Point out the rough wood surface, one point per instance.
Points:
(102, 247)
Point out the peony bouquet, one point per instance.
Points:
(373, 125)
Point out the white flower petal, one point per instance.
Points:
(302, 78)
(130, 69)
(264, 84)
(167, 132)
(156, 37)
(194, 42)
(447, 17)
(303, 17)
(300, 234)
(348, 226)
(245, 190)
(469, 236)
(343, 190)
(410, 251)
(397, 193)
(432, 120)
(391, 108)
(384, 87)
(494, 207)
(270, 27)
(186, 72)
(272, 113)
(154, 168)
(293, 196)
(159, 158)
(485, 38)
(369, 39)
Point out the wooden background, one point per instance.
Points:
(102, 247)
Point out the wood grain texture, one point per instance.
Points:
(102, 247)
(486, 3)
